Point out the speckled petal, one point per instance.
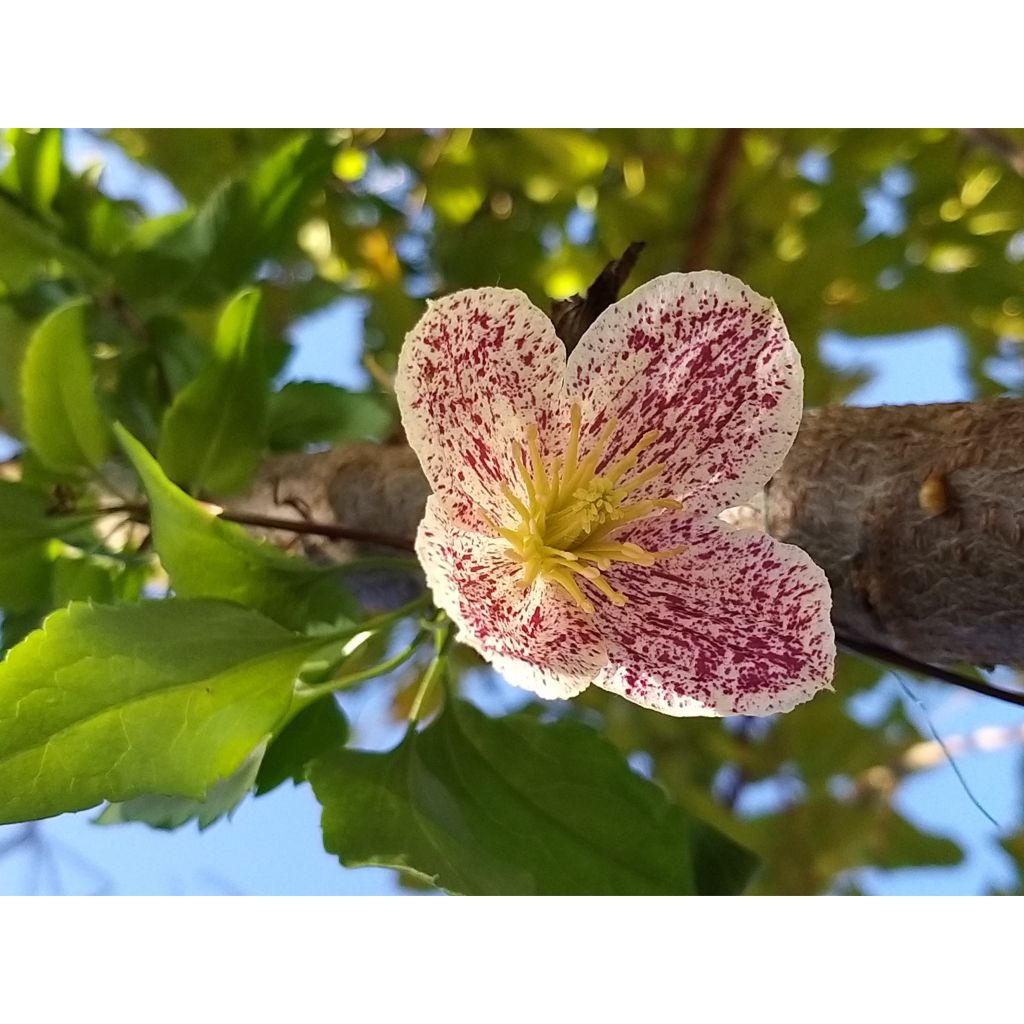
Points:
(478, 368)
(537, 640)
(737, 624)
(708, 363)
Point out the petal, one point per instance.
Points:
(737, 624)
(707, 363)
(536, 639)
(478, 368)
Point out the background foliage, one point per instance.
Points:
(179, 328)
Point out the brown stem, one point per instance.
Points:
(711, 204)
(945, 675)
(304, 526)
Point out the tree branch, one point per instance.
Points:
(711, 204)
(889, 657)
(332, 531)
(1006, 149)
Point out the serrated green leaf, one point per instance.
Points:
(214, 434)
(208, 557)
(62, 418)
(312, 412)
(15, 626)
(505, 806)
(116, 702)
(171, 812)
(314, 731)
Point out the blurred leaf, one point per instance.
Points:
(102, 579)
(197, 159)
(27, 553)
(504, 806)
(34, 172)
(25, 559)
(722, 867)
(313, 732)
(208, 557)
(215, 249)
(310, 412)
(63, 421)
(106, 703)
(14, 337)
(214, 434)
(171, 812)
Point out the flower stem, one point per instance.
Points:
(443, 635)
(306, 694)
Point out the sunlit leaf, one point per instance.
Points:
(171, 812)
(214, 249)
(208, 557)
(34, 172)
(214, 434)
(107, 703)
(63, 421)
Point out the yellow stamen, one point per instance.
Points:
(563, 529)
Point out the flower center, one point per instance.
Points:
(565, 525)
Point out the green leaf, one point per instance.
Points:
(214, 433)
(311, 412)
(505, 806)
(26, 546)
(14, 338)
(15, 626)
(34, 172)
(215, 249)
(722, 866)
(116, 702)
(208, 557)
(314, 731)
(63, 421)
(171, 812)
(78, 576)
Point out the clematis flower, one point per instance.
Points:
(573, 533)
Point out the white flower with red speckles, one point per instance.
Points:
(573, 533)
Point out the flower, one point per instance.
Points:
(573, 533)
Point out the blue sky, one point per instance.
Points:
(272, 844)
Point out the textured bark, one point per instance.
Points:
(916, 513)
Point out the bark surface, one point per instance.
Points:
(916, 513)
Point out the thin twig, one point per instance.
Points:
(945, 675)
(711, 204)
(304, 526)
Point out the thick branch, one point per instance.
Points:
(915, 512)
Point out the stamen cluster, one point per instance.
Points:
(568, 513)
